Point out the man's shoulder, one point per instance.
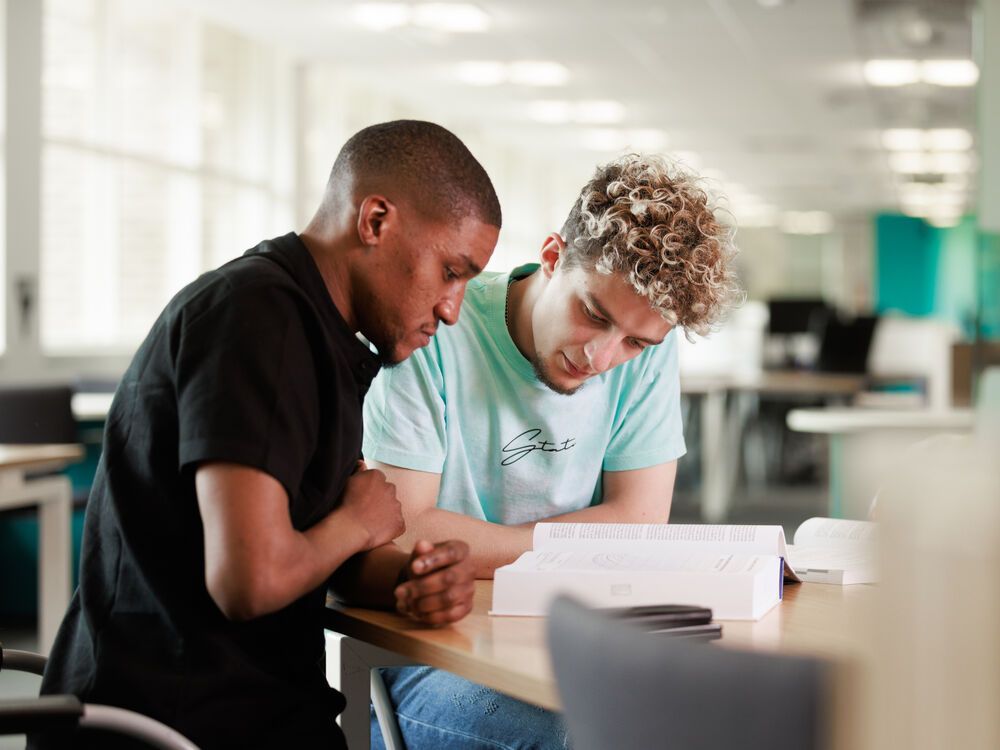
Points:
(250, 281)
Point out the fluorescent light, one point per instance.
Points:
(537, 73)
(949, 72)
(451, 17)
(381, 16)
(905, 72)
(891, 72)
(950, 162)
(948, 139)
(523, 72)
(806, 222)
(903, 139)
(595, 112)
(908, 162)
(448, 17)
(940, 139)
(599, 112)
(481, 72)
(942, 162)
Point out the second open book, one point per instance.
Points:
(737, 571)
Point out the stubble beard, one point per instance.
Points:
(541, 372)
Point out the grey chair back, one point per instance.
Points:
(37, 414)
(622, 688)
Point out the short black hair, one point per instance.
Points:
(429, 163)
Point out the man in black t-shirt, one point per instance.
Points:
(230, 489)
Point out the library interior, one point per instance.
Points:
(635, 384)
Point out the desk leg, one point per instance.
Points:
(715, 488)
(54, 555)
(350, 671)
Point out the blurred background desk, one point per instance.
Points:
(727, 407)
(868, 445)
(23, 484)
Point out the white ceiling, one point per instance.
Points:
(772, 97)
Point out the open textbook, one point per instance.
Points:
(832, 550)
(737, 571)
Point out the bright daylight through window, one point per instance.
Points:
(165, 153)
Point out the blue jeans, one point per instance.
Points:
(438, 711)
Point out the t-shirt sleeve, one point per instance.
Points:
(405, 419)
(648, 429)
(246, 384)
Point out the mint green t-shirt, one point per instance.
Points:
(509, 449)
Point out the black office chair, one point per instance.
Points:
(622, 688)
(37, 414)
(65, 713)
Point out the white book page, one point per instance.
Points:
(836, 533)
(630, 537)
(605, 561)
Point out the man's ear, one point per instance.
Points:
(374, 214)
(552, 250)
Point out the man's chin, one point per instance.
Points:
(543, 375)
(397, 353)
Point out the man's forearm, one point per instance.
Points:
(611, 512)
(368, 579)
(491, 544)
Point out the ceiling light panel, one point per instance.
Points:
(446, 17)
(537, 73)
(451, 17)
(906, 72)
(892, 72)
(595, 112)
(939, 139)
(381, 16)
(949, 72)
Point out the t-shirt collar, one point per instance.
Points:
(291, 253)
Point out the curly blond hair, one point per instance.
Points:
(648, 219)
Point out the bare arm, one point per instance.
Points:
(639, 496)
(256, 562)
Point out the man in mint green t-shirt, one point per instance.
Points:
(555, 396)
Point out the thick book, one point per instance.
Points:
(833, 550)
(736, 571)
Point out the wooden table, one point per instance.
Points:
(509, 653)
(54, 497)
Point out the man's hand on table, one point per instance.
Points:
(437, 583)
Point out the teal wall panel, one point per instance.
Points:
(906, 265)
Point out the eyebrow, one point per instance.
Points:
(471, 268)
(611, 319)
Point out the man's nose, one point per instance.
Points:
(447, 309)
(599, 352)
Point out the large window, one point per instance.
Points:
(167, 150)
(3, 176)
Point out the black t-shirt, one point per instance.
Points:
(252, 364)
